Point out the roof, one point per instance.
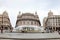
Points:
(54, 16)
(27, 14)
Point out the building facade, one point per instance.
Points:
(5, 22)
(52, 22)
(28, 21)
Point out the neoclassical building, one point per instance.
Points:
(5, 22)
(28, 21)
(52, 22)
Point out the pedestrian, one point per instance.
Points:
(1, 29)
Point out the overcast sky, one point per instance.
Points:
(41, 6)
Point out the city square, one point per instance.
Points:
(28, 27)
(29, 20)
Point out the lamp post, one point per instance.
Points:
(2, 25)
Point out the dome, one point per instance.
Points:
(5, 13)
(50, 13)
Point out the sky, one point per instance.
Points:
(42, 7)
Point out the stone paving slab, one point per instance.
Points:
(29, 35)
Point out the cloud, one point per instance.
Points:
(41, 6)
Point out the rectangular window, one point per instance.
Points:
(31, 23)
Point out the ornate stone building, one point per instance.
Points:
(52, 22)
(5, 22)
(28, 20)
